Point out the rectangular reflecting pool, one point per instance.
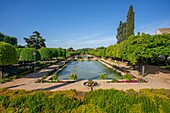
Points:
(87, 70)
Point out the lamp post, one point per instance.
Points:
(34, 53)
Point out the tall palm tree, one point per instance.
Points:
(35, 41)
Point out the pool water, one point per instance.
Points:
(87, 70)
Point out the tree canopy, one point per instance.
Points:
(35, 41)
(126, 29)
(8, 39)
(121, 32)
(130, 22)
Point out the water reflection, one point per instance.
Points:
(87, 70)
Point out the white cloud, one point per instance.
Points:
(94, 40)
(152, 27)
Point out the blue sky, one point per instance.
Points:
(79, 23)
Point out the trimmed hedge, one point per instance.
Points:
(8, 54)
(45, 53)
(27, 54)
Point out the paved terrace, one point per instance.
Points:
(156, 81)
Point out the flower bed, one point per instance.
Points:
(138, 80)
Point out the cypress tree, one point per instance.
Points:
(130, 22)
(121, 32)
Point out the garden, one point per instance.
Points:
(72, 101)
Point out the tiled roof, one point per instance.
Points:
(164, 30)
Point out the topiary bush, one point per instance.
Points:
(103, 76)
(27, 54)
(73, 76)
(45, 53)
(8, 56)
(19, 51)
(54, 52)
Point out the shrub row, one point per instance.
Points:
(98, 101)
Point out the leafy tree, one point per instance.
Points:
(138, 49)
(121, 32)
(10, 40)
(1, 36)
(70, 49)
(130, 22)
(45, 53)
(8, 56)
(20, 46)
(27, 54)
(100, 52)
(35, 41)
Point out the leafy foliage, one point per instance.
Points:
(8, 39)
(128, 77)
(100, 101)
(45, 53)
(100, 52)
(8, 54)
(130, 22)
(69, 54)
(54, 52)
(73, 76)
(27, 54)
(35, 41)
(121, 32)
(103, 76)
(55, 77)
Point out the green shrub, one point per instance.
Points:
(46, 53)
(73, 76)
(27, 54)
(8, 54)
(114, 80)
(54, 52)
(69, 54)
(55, 77)
(103, 76)
(128, 77)
(97, 101)
(19, 51)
